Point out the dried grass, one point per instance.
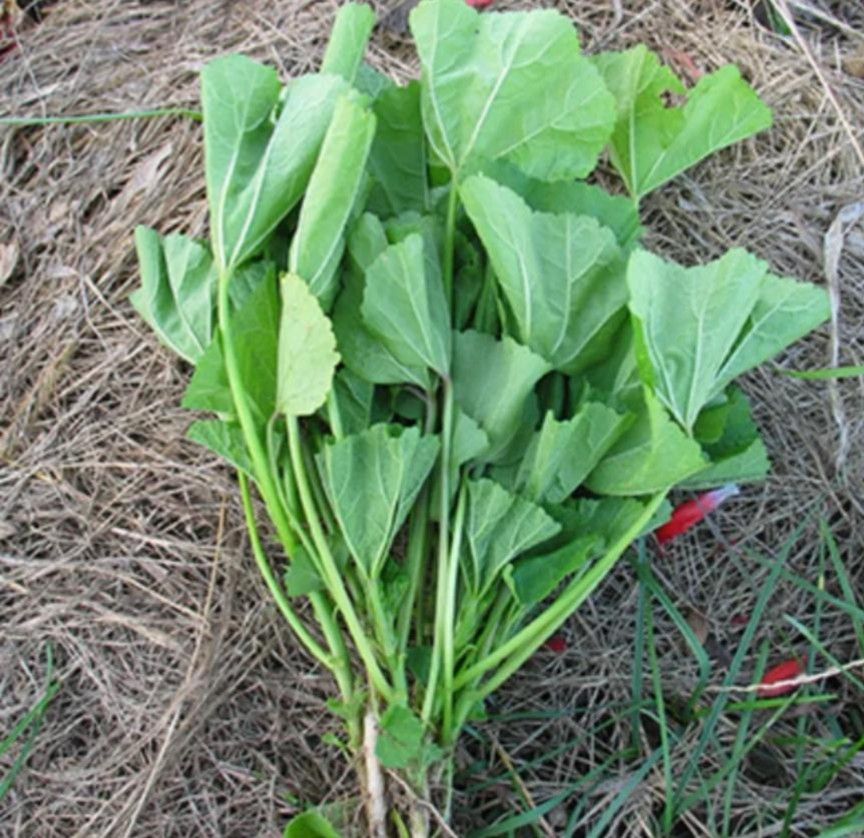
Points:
(185, 708)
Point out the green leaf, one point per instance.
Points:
(336, 181)
(699, 328)
(362, 351)
(398, 157)
(654, 454)
(311, 824)
(652, 143)
(402, 740)
(575, 197)
(301, 578)
(510, 86)
(785, 311)
(307, 351)
(687, 321)
(351, 399)
(222, 438)
(500, 527)
(534, 578)
(256, 337)
(562, 454)
(372, 479)
(470, 441)
(563, 275)
(259, 149)
(348, 40)
(496, 398)
(738, 454)
(178, 291)
(826, 374)
(405, 306)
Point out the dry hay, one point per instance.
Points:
(185, 708)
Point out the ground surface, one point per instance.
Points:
(183, 710)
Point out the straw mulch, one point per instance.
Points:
(185, 708)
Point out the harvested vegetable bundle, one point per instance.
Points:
(441, 358)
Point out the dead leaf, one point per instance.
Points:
(854, 64)
(145, 174)
(8, 260)
(698, 624)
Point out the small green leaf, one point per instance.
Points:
(652, 143)
(259, 149)
(311, 824)
(534, 578)
(562, 454)
(372, 479)
(307, 351)
(222, 438)
(177, 296)
(402, 740)
(738, 454)
(348, 40)
(334, 185)
(563, 275)
(301, 578)
(500, 527)
(510, 86)
(496, 399)
(405, 306)
(653, 455)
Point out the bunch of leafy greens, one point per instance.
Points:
(454, 378)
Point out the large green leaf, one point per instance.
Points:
(653, 455)
(255, 326)
(259, 149)
(562, 454)
(351, 400)
(348, 40)
(699, 328)
(397, 161)
(492, 380)
(178, 291)
(510, 86)
(372, 479)
(652, 143)
(330, 197)
(500, 526)
(563, 275)
(687, 321)
(307, 351)
(405, 306)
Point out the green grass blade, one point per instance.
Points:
(825, 374)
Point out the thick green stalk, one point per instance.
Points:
(449, 241)
(332, 576)
(515, 651)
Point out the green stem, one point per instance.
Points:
(515, 651)
(449, 613)
(330, 570)
(443, 551)
(273, 585)
(449, 240)
(83, 119)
